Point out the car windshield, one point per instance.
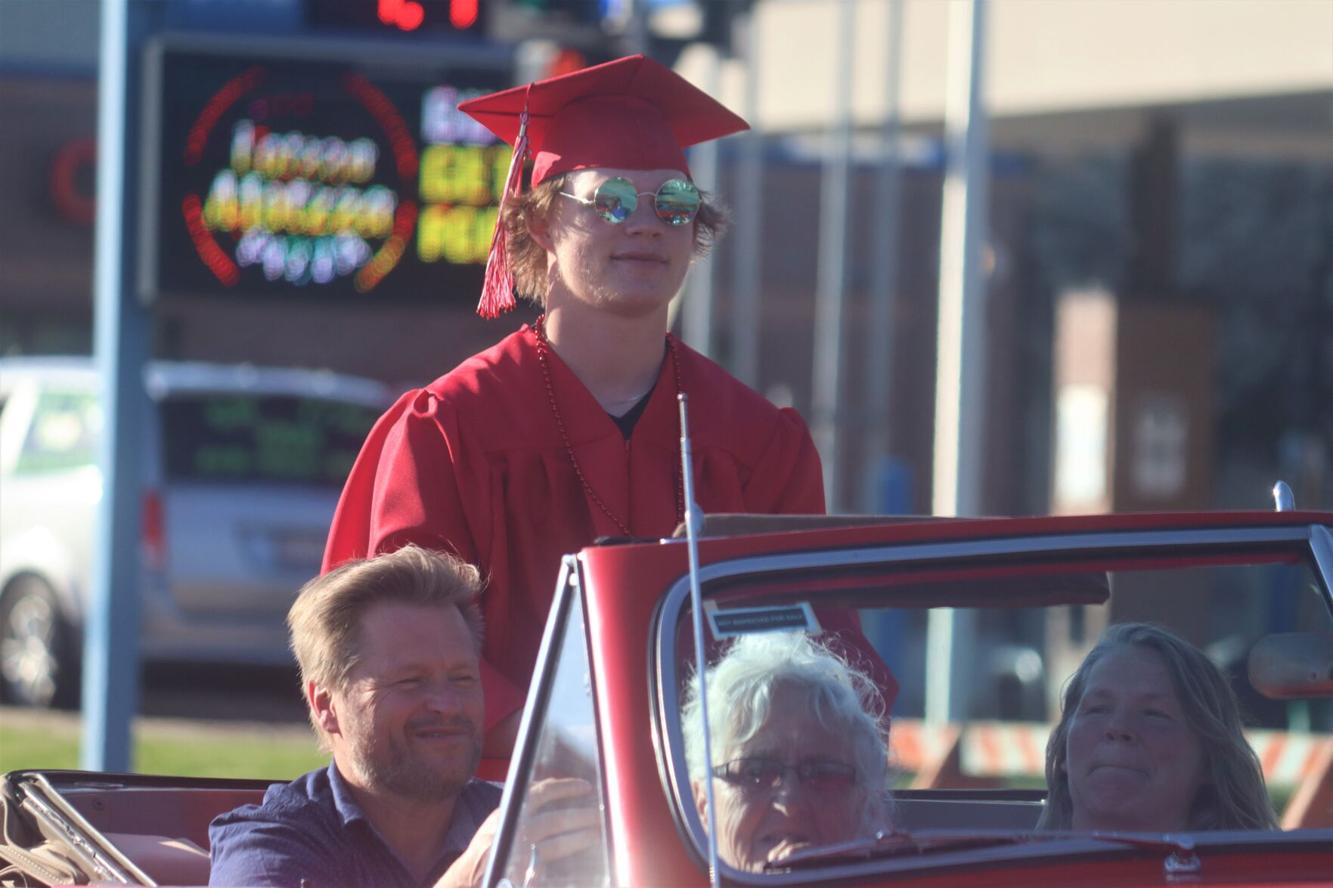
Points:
(240, 437)
(1143, 678)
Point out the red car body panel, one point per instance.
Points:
(622, 586)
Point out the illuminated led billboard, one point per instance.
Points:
(328, 175)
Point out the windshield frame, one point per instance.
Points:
(521, 763)
(1309, 543)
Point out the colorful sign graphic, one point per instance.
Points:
(321, 179)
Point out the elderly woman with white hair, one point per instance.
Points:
(799, 752)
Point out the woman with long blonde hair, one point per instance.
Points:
(1150, 739)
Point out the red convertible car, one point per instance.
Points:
(980, 621)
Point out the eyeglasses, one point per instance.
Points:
(824, 775)
(676, 201)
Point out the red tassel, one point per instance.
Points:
(497, 293)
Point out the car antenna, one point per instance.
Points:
(693, 518)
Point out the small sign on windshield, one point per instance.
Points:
(736, 621)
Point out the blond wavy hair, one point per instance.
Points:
(1232, 795)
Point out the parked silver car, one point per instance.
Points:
(243, 466)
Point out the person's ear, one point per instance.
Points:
(322, 708)
(700, 800)
(539, 230)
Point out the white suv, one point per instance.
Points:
(243, 466)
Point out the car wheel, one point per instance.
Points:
(38, 666)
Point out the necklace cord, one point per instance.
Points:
(539, 327)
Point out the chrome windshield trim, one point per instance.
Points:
(1210, 848)
(520, 763)
(677, 597)
(1321, 547)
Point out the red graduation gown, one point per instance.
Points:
(474, 463)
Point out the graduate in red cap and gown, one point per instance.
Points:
(567, 430)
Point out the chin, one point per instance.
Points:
(1122, 820)
(634, 305)
(657, 289)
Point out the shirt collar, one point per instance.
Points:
(343, 800)
(466, 820)
(462, 827)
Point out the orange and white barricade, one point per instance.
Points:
(994, 752)
(1004, 749)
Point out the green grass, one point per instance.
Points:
(203, 751)
(24, 747)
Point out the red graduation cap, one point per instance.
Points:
(632, 113)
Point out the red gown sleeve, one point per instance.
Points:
(404, 488)
(788, 478)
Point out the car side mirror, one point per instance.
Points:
(1292, 664)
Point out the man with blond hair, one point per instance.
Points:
(389, 654)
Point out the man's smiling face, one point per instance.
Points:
(410, 719)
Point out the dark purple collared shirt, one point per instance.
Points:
(311, 833)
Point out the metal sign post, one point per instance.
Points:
(120, 349)
(831, 295)
(961, 349)
(697, 305)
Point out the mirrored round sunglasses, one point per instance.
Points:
(676, 201)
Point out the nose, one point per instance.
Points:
(1118, 726)
(443, 697)
(789, 786)
(792, 802)
(644, 218)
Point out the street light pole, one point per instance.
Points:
(884, 270)
(831, 294)
(121, 330)
(960, 359)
